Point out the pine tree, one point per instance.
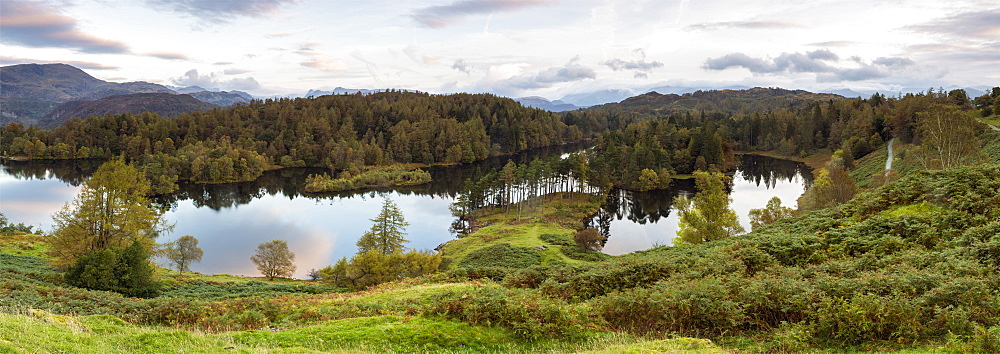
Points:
(386, 234)
(707, 216)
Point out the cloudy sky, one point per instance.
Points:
(514, 48)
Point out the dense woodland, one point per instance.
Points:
(338, 131)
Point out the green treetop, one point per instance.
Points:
(707, 216)
(386, 234)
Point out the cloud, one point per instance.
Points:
(570, 72)
(317, 60)
(168, 56)
(412, 52)
(235, 71)
(446, 15)
(39, 25)
(832, 44)
(221, 11)
(80, 64)
(222, 63)
(640, 65)
(714, 26)
(980, 24)
(212, 80)
(825, 64)
(462, 66)
(637, 63)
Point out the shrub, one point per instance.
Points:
(557, 240)
(527, 313)
(693, 307)
(575, 252)
(502, 255)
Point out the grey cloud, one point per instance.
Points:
(570, 72)
(193, 78)
(446, 15)
(982, 24)
(168, 56)
(824, 63)
(640, 75)
(832, 44)
(235, 71)
(39, 25)
(80, 64)
(220, 11)
(462, 66)
(713, 26)
(640, 65)
(222, 63)
(317, 60)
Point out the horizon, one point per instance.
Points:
(511, 48)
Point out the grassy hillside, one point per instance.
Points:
(910, 266)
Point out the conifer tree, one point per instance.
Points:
(386, 234)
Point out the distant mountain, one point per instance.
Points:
(543, 103)
(165, 104)
(222, 98)
(588, 99)
(732, 101)
(29, 91)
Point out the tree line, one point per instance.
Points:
(336, 131)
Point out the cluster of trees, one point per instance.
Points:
(988, 104)
(646, 154)
(368, 177)
(336, 131)
(104, 236)
(514, 184)
(381, 255)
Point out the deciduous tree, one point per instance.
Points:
(183, 252)
(111, 211)
(707, 216)
(769, 214)
(273, 259)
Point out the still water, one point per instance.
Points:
(230, 220)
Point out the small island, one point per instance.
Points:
(368, 177)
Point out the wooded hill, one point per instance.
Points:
(338, 131)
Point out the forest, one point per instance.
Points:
(339, 132)
(904, 260)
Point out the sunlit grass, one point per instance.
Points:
(560, 214)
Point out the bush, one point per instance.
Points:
(689, 307)
(575, 252)
(501, 255)
(557, 240)
(123, 271)
(527, 313)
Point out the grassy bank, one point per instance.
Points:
(544, 228)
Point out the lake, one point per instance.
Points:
(230, 220)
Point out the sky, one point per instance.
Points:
(514, 48)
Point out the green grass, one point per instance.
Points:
(559, 216)
(24, 245)
(40, 332)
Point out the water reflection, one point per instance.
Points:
(639, 220)
(230, 220)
